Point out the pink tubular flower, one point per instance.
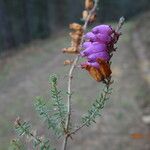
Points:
(90, 36)
(93, 64)
(104, 38)
(103, 29)
(94, 48)
(103, 55)
(86, 45)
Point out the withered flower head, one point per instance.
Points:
(75, 26)
(99, 70)
(89, 4)
(85, 14)
(68, 62)
(75, 36)
(71, 50)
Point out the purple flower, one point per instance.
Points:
(98, 45)
(90, 36)
(86, 45)
(102, 55)
(103, 38)
(103, 29)
(93, 64)
(94, 48)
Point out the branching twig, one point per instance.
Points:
(24, 128)
(104, 98)
(120, 24)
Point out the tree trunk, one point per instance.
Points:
(25, 21)
(5, 27)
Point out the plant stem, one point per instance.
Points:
(70, 76)
(64, 146)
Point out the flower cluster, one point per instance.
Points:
(97, 49)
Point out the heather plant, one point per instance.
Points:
(97, 47)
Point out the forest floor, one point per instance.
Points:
(25, 75)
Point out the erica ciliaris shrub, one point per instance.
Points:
(97, 47)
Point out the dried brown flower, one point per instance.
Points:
(75, 26)
(71, 50)
(75, 37)
(104, 68)
(85, 14)
(89, 4)
(68, 62)
(101, 73)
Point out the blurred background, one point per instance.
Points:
(32, 34)
(22, 21)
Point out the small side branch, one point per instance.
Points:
(95, 112)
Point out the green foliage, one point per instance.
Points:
(58, 103)
(97, 106)
(44, 145)
(55, 113)
(15, 144)
(24, 129)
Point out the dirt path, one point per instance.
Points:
(120, 118)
